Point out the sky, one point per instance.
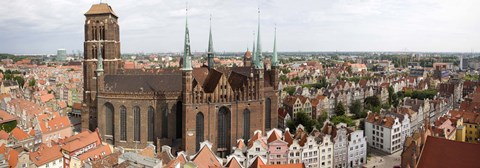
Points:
(43, 26)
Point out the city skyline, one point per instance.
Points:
(151, 26)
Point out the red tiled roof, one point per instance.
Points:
(3, 135)
(206, 158)
(81, 140)
(439, 152)
(233, 163)
(45, 154)
(19, 134)
(97, 153)
(257, 163)
(297, 165)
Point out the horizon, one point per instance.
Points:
(342, 26)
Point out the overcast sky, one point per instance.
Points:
(43, 26)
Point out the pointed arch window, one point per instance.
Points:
(151, 123)
(246, 125)
(268, 113)
(109, 119)
(200, 129)
(123, 123)
(136, 123)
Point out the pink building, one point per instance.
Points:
(53, 127)
(277, 148)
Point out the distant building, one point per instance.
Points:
(61, 55)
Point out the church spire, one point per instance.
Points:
(210, 47)
(258, 53)
(275, 56)
(254, 53)
(187, 55)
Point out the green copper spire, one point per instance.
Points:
(187, 55)
(99, 58)
(210, 47)
(275, 56)
(254, 54)
(258, 62)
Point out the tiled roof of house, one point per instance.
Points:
(296, 165)
(233, 163)
(257, 163)
(206, 158)
(80, 140)
(45, 154)
(440, 152)
(19, 134)
(93, 154)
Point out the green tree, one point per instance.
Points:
(290, 90)
(339, 109)
(32, 82)
(343, 119)
(373, 101)
(356, 108)
(304, 119)
(322, 118)
(19, 80)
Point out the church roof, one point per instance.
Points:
(143, 83)
(101, 8)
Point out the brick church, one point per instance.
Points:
(179, 108)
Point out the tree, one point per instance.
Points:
(289, 90)
(373, 101)
(32, 82)
(322, 118)
(339, 109)
(283, 78)
(343, 119)
(304, 119)
(356, 108)
(19, 80)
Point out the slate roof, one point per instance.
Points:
(143, 83)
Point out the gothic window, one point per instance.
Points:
(223, 128)
(94, 52)
(165, 122)
(268, 113)
(123, 123)
(179, 119)
(109, 119)
(151, 123)
(200, 129)
(136, 123)
(246, 125)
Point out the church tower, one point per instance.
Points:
(102, 39)
(187, 87)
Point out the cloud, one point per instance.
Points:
(303, 25)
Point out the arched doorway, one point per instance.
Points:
(268, 113)
(199, 129)
(223, 130)
(179, 117)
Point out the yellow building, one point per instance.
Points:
(471, 123)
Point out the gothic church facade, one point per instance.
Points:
(179, 108)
